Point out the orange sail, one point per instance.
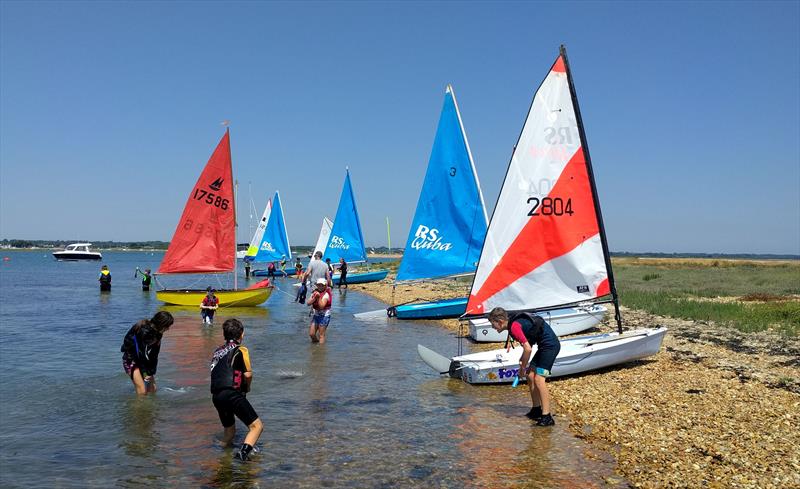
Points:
(205, 239)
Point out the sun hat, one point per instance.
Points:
(321, 281)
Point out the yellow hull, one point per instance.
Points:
(244, 297)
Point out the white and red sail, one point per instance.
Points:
(205, 239)
(543, 247)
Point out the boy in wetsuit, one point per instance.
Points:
(528, 330)
(147, 278)
(231, 376)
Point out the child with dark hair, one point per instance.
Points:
(140, 350)
(231, 376)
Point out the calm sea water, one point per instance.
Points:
(360, 411)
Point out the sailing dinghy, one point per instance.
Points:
(274, 245)
(205, 238)
(546, 246)
(347, 241)
(446, 235)
(251, 250)
(324, 235)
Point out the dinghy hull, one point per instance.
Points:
(448, 308)
(362, 278)
(564, 322)
(244, 297)
(577, 355)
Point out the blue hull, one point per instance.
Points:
(264, 273)
(447, 308)
(362, 278)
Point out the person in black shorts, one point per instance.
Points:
(529, 329)
(342, 273)
(140, 349)
(231, 376)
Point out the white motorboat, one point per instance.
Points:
(76, 252)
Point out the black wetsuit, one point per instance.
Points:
(228, 384)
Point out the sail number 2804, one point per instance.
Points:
(550, 206)
(211, 199)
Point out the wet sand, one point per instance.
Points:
(714, 408)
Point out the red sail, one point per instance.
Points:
(205, 238)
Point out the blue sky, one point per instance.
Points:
(109, 110)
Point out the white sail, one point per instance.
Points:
(324, 234)
(543, 247)
(252, 250)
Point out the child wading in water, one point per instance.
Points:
(530, 330)
(140, 350)
(231, 376)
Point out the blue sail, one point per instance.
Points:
(450, 223)
(346, 240)
(275, 243)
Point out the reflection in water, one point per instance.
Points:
(360, 411)
(138, 421)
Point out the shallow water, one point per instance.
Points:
(359, 411)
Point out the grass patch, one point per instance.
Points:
(672, 288)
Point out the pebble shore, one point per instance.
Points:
(714, 408)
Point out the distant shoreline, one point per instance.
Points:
(301, 251)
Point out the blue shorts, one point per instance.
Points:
(322, 318)
(544, 359)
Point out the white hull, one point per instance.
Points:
(563, 321)
(580, 354)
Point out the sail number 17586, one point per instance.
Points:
(550, 206)
(211, 199)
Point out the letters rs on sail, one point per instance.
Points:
(428, 238)
(337, 242)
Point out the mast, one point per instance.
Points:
(590, 171)
(388, 234)
(235, 220)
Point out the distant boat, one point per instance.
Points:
(274, 245)
(346, 239)
(77, 252)
(546, 246)
(205, 238)
(251, 251)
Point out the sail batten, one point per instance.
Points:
(450, 222)
(205, 239)
(544, 247)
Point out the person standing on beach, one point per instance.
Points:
(140, 350)
(330, 267)
(247, 269)
(342, 273)
(209, 306)
(320, 302)
(317, 270)
(529, 329)
(105, 279)
(147, 279)
(283, 266)
(231, 376)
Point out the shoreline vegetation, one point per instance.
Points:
(718, 406)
